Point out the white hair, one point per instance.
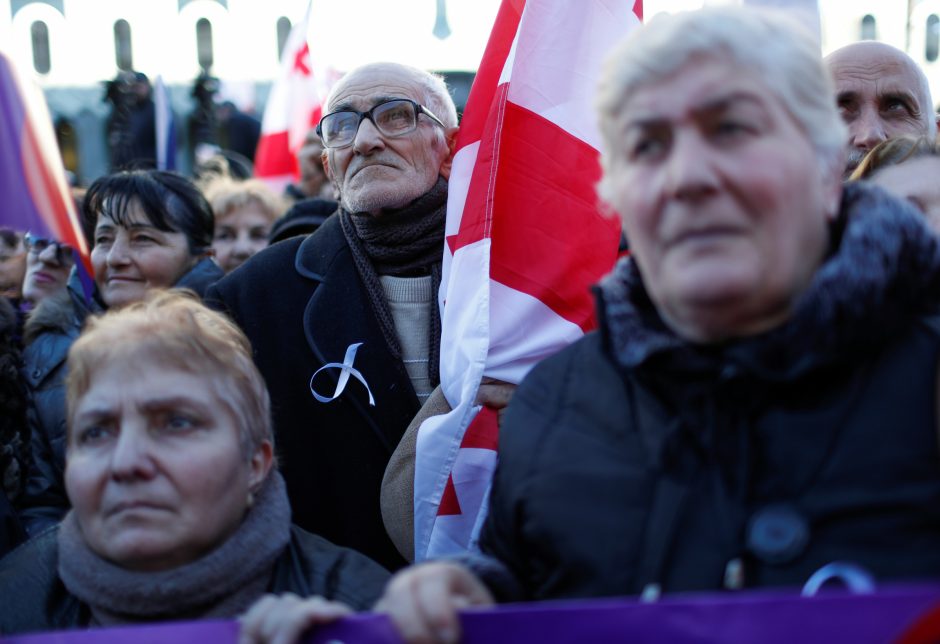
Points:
(777, 48)
(434, 92)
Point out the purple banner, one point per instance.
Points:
(768, 617)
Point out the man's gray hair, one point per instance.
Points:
(437, 97)
(434, 92)
(777, 48)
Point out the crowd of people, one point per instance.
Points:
(760, 399)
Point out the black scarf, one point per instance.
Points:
(407, 242)
(223, 583)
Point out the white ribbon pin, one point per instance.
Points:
(346, 368)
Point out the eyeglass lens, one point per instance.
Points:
(393, 118)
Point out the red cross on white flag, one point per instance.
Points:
(525, 239)
(292, 109)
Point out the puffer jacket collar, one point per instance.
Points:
(882, 273)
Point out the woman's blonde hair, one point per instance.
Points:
(172, 329)
(226, 194)
(894, 152)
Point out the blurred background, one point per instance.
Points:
(96, 60)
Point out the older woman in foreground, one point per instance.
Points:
(761, 399)
(178, 509)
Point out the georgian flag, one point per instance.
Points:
(526, 237)
(292, 110)
(33, 187)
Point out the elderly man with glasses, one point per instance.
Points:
(344, 323)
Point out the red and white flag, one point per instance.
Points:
(526, 237)
(293, 108)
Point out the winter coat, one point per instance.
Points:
(14, 454)
(637, 461)
(309, 565)
(50, 331)
(302, 305)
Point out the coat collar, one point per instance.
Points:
(320, 249)
(882, 273)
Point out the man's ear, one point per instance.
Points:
(325, 157)
(450, 136)
(328, 171)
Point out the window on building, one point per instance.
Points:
(204, 43)
(39, 33)
(283, 31)
(869, 28)
(932, 47)
(122, 46)
(68, 143)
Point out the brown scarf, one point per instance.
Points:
(407, 242)
(223, 583)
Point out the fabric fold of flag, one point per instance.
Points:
(32, 177)
(293, 108)
(526, 237)
(165, 126)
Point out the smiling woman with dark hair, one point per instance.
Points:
(149, 229)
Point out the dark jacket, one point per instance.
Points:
(14, 439)
(635, 460)
(35, 599)
(302, 304)
(51, 329)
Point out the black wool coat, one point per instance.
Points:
(302, 304)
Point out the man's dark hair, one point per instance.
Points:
(170, 201)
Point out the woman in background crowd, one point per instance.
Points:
(151, 229)
(12, 264)
(908, 167)
(178, 509)
(48, 264)
(244, 213)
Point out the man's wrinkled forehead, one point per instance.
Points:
(880, 72)
(365, 88)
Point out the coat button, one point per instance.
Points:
(777, 534)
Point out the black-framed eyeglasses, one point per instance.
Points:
(37, 245)
(396, 117)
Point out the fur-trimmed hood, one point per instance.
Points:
(882, 274)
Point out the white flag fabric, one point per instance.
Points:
(292, 109)
(165, 126)
(526, 237)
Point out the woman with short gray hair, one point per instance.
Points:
(760, 399)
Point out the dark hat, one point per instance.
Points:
(303, 218)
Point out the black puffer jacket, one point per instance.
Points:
(50, 331)
(634, 460)
(35, 599)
